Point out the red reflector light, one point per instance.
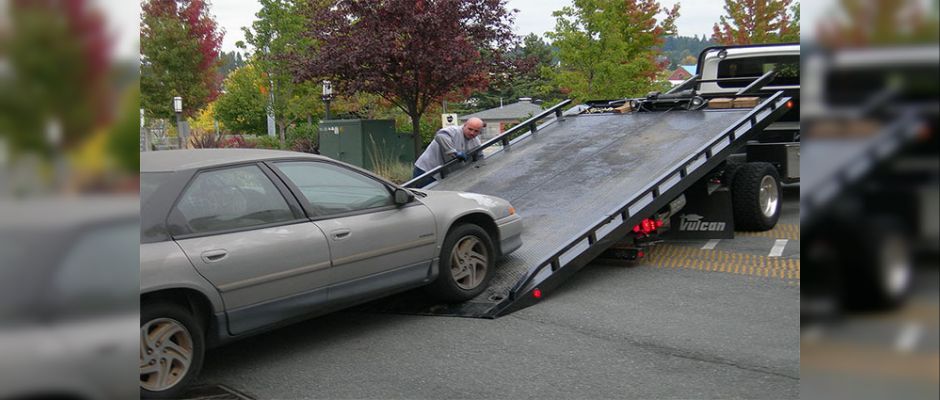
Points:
(659, 223)
(790, 104)
(636, 228)
(640, 254)
(537, 294)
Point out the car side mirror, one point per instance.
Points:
(403, 197)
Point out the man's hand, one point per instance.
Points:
(461, 156)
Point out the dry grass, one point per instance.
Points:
(387, 165)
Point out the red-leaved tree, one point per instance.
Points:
(409, 52)
(179, 47)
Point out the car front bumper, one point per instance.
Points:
(510, 233)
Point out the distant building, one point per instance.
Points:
(681, 74)
(498, 118)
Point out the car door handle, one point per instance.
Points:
(340, 234)
(212, 256)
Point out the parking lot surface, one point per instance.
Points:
(697, 319)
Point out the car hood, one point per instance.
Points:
(455, 204)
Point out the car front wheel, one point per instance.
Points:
(172, 347)
(466, 264)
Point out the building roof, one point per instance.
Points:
(515, 111)
(179, 160)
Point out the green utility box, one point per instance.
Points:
(365, 142)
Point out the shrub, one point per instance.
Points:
(304, 137)
(266, 142)
(237, 142)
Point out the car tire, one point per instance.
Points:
(467, 265)
(756, 197)
(170, 337)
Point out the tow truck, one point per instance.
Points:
(594, 176)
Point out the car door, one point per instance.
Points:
(375, 244)
(268, 261)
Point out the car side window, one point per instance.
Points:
(332, 190)
(232, 198)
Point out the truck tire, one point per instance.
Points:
(172, 348)
(878, 269)
(467, 264)
(755, 197)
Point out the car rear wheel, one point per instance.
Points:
(172, 348)
(466, 264)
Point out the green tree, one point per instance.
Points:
(274, 36)
(610, 48)
(179, 54)
(530, 76)
(757, 22)
(230, 61)
(243, 106)
(678, 48)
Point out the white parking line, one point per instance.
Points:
(908, 337)
(777, 250)
(711, 244)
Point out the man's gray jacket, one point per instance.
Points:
(447, 142)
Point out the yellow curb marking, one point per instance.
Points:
(688, 257)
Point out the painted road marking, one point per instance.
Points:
(688, 257)
(781, 231)
(777, 250)
(711, 244)
(908, 337)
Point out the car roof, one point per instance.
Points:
(181, 160)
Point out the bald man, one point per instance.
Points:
(449, 143)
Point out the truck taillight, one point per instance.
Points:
(648, 226)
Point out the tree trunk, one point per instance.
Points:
(283, 135)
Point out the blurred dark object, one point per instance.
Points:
(68, 313)
(869, 198)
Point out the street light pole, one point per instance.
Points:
(327, 96)
(178, 109)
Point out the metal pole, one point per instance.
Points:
(179, 129)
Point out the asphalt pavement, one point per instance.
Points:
(698, 319)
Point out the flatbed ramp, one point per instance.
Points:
(580, 182)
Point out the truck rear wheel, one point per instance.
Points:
(755, 197)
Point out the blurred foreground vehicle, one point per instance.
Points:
(869, 201)
(67, 304)
(236, 242)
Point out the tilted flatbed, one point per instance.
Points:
(581, 181)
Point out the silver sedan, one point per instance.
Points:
(235, 242)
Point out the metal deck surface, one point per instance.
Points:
(576, 172)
